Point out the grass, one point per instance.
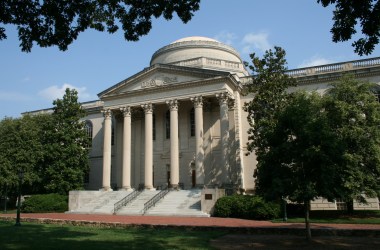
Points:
(47, 236)
(338, 217)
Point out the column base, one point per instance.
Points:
(174, 187)
(126, 189)
(106, 189)
(150, 188)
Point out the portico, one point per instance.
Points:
(198, 144)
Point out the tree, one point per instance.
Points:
(354, 116)
(59, 23)
(347, 14)
(268, 87)
(308, 145)
(66, 146)
(298, 163)
(20, 150)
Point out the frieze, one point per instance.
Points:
(159, 81)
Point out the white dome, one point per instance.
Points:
(200, 52)
(194, 38)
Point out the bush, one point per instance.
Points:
(43, 203)
(246, 207)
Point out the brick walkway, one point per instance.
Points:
(223, 223)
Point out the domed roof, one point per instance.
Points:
(194, 38)
(200, 52)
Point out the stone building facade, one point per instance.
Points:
(180, 122)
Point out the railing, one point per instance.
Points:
(152, 202)
(335, 67)
(125, 200)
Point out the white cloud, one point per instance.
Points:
(315, 61)
(54, 92)
(226, 37)
(252, 41)
(13, 96)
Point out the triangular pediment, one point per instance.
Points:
(159, 76)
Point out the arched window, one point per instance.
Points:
(167, 124)
(192, 122)
(89, 129)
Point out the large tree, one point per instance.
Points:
(58, 23)
(308, 145)
(354, 117)
(268, 87)
(298, 162)
(66, 146)
(21, 150)
(348, 15)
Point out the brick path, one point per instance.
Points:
(187, 221)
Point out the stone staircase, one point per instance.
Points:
(174, 203)
(179, 203)
(137, 205)
(101, 203)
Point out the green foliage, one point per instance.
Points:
(268, 87)
(58, 23)
(246, 207)
(45, 203)
(65, 145)
(347, 15)
(21, 149)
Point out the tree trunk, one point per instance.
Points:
(350, 206)
(307, 221)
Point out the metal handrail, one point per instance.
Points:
(125, 200)
(152, 202)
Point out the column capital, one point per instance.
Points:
(198, 101)
(126, 111)
(107, 113)
(223, 97)
(173, 104)
(147, 107)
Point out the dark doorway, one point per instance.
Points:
(168, 178)
(193, 179)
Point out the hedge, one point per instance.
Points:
(42, 203)
(246, 207)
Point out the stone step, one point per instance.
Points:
(103, 203)
(179, 203)
(137, 205)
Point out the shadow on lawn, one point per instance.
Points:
(41, 236)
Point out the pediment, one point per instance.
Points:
(159, 76)
(156, 79)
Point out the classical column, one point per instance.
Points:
(107, 128)
(224, 132)
(148, 110)
(126, 177)
(199, 151)
(174, 144)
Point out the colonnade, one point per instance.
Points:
(174, 142)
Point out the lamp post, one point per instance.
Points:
(20, 176)
(285, 218)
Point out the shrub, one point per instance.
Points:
(246, 207)
(43, 203)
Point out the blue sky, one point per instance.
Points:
(96, 61)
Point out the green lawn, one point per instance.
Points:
(338, 217)
(45, 236)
